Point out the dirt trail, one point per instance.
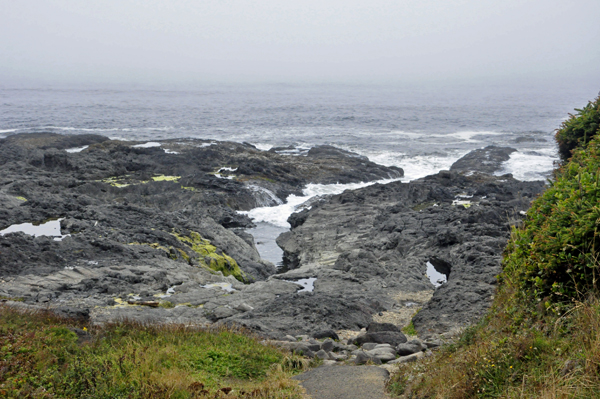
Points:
(345, 382)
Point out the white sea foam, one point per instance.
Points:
(530, 165)
(277, 215)
(147, 145)
(417, 166)
(263, 146)
(7, 130)
(469, 136)
(77, 149)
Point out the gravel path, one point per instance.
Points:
(345, 382)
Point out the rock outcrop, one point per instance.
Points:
(150, 232)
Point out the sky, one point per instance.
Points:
(179, 41)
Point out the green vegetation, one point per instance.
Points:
(555, 255)
(166, 178)
(209, 256)
(43, 356)
(579, 129)
(410, 329)
(204, 252)
(540, 338)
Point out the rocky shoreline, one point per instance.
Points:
(151, 232)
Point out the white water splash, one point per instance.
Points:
(76, 149)
(149, 144)
(530, 165)
(278, 215)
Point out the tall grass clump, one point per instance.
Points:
(44, 356)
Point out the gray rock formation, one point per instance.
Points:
(143, 230)
(485, 160)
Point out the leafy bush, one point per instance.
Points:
(555, 253)
(579, 129)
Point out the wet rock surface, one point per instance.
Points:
(154, 236)
(484, 160)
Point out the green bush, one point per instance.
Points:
(555, 254)
(579, 129)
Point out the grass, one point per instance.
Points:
(41, 356)
(513, 353)
(409, 329)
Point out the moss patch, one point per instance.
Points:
(209, 257)
(166, 178)
(21, 198)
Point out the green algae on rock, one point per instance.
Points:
(209, 256)
(166, 178)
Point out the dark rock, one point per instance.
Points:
(368, 346)
(303, 350)
(81, 315)
(485, 160)
(321, 354)
(384, 337)
(327, 345)
(379, 327)
(410, 347)
(379, 239)
(128, 235)
(363, 358)
(326, 334)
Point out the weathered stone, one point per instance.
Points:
(384, 337)
(363, 357)
(383, 354)
(410, 347)
(379, 327)
(327, 345)
(326, 334)
(407, 359)
(321, 354)
(368, 346)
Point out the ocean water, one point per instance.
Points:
(422, 129)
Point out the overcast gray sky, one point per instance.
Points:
(321, 40)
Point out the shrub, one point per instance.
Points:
(555, 253)
(579, 129)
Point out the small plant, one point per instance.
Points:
(409, 329)
(166, 304)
